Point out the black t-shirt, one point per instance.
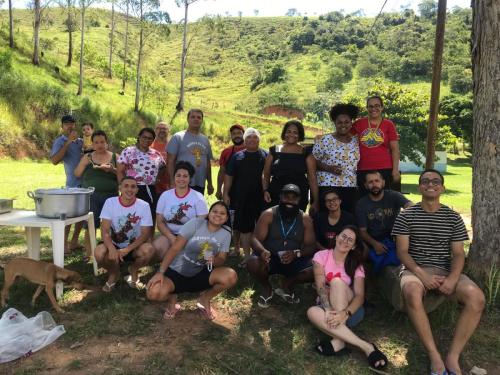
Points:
(326, 233)
(378, 216)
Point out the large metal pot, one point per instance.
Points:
(61, 203)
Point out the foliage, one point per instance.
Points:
(270, 73)
(456, 112)
(460, 80)
(276, 94)
(339, 73)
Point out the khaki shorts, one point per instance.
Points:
(409, 277)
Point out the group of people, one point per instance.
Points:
(356, 219)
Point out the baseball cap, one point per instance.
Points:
(236, 126)
(290, 188)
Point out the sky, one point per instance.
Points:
(280, 7)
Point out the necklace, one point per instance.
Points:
(285, 233)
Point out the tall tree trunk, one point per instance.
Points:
(11, 26)
(36, 33)
(125, 52)
(111, 40)
(82, 40)
(180, 105)
(70, 33)
(139, 61)
(484, 252)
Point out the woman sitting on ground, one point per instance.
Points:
(187, 266)
(176, 207)
(339, 278)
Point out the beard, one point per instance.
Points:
(376, 191)
(238, 141)
(288, 210)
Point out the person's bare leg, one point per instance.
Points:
(163, 293)
(472, 298)
(67, 228)
(221, 278)
(257, 268)
(305, 276)
(143, 256)
(245, 239)
(236, 242)
(76, 234)
(413, 294)
(160, 244)
(113, 267)
(88, 253)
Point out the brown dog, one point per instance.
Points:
(42, 273)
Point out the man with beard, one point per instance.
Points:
(283, 243)
(375, 216)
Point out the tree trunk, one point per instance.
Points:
(70, 34)
(36, 33)
(82, 40)
(11, 26)
(125, 52)
(484, 254)
(111, 36)
(139, 61)
(180, 105)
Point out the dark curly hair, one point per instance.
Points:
(350, 110)
(299, 126)
(182, 164)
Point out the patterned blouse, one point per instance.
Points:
(143, 166)
(333, 152)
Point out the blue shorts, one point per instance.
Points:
(390, 258)
(291, 269)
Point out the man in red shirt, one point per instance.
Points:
(236, 132)
(160, 145)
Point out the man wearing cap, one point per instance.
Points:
(243, 187)
(160, 145)
(283, 244)
(68, 149)
(192, 146)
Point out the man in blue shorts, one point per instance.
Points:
(283, 243)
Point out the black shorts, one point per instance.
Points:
(196, 283)
(130, 257)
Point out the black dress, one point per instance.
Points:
(289, 168)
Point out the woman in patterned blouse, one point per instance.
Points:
(337, 156)
(145, 164)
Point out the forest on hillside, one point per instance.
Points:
(235, 68)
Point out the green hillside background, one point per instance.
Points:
(235, 68)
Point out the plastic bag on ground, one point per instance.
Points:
(21, 337)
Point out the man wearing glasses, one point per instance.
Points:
(430, 243)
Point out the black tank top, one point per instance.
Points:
(284, 234)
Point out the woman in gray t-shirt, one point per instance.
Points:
(194, 263)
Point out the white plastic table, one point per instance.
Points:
(32, 225)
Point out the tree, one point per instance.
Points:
(11, 26)
(186, 3)
(84, 4)
(111, 39)
(483, 254)
(36, 32)
(125, 45)
(428, 9)
(150, 20)
(70, 23)
(291, 12)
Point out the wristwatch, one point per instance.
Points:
(297, 253)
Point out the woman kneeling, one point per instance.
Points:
(339, 278)
(194, 263)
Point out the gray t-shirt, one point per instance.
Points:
(191, 259)
(71, 158)
(194, 149)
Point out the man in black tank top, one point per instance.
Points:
(283, 243)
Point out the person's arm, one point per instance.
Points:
(210, 186)
(379, 247)
(59, 155)
(266, 177)
(172, 252)
(395, 154)
(341, 317)
(106, 238)
(260, 233)
(220, 181)
(457, 265)
(84, 161)
(403, 245)
(313, 182)
(120, 171)
(228, 182)
(144, 236)
(171, 158)
(163, 228)
(321, 289)
(322, 166)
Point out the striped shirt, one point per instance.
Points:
(431, 234)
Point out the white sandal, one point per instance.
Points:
(265, 302)
(108, 287)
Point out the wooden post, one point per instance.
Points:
(436, 83)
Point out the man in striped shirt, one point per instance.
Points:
(430, 244)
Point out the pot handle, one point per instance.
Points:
(91, 188)
(32, 196)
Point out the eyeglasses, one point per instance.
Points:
(434, 181)
(332, 200)
(374, 106)
(344, 237)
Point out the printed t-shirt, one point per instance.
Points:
(126, 221)
(333, 270)
(143, 166)
(226, 154)
(178, 210)
(326, 233)
(374, 144)
(161, 183)
(191, 259)
(378, 216)
(431, 234)
(194, 148)
(71, 158)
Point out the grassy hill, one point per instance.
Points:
(235, 67)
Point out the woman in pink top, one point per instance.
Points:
(340, 281)
(378, 145)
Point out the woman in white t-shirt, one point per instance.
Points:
(194, 263)
(176, 207)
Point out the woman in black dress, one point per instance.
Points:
(290, 163)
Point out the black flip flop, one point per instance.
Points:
(325, 348)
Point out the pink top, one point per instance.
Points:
(333, 269)
(143, 166)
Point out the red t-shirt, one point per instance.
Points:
(226, 154)
(162, 183)
(374, 149)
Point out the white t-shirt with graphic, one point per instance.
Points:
(126, 221)
(178, 210)
(191, 258)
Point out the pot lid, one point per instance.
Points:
(64, 191)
